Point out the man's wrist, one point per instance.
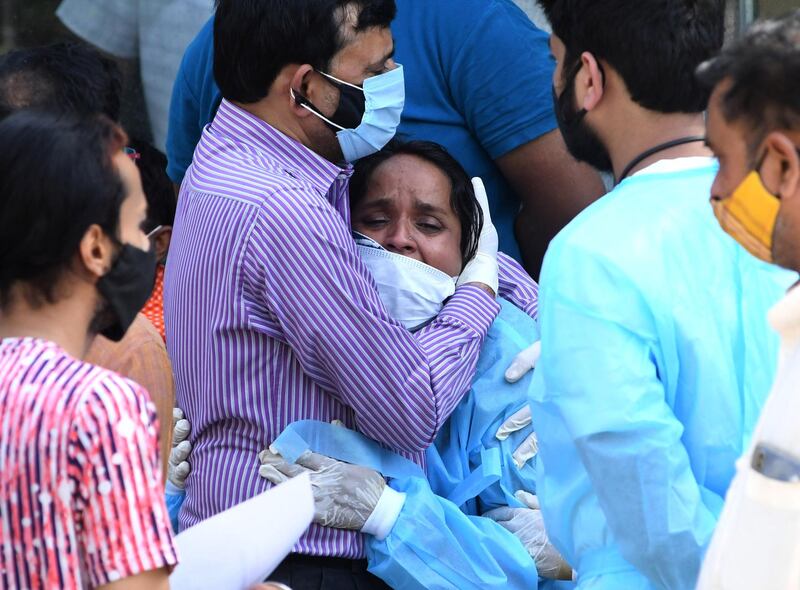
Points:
(385, 514)
(484, 287)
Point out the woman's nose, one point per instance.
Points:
(400, 240)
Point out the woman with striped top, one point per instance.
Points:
(81, 496)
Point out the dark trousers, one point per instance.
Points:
(304, 572)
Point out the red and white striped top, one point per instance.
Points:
(81, 496)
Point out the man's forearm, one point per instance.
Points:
(552, 187)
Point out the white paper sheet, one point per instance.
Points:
(243, 545)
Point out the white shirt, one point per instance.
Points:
(757, 541)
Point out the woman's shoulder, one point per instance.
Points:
(118, 395)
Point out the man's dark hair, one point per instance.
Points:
(764, 70)
(462, 195)
(158, 189)
(68, 77)
(654, 45)
(57, 179)
(255, 39)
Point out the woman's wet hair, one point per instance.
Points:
(462, 195)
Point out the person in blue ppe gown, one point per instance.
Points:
(473, 522)
(656, 357)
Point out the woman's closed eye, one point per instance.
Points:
(430, 225)
(374, 222)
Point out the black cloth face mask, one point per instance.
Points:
(126, 287)
(351, 108)
(582, 142)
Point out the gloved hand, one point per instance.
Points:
(527, 525)
(483, 266)
(345, 495)
(178, 467)
(524, 362)
(530, 446)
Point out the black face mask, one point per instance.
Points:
(126, 288)
(351, 109)
(582, 142)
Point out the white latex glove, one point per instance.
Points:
(530, 446)
(524, 362)
(527, 525)
(530, 500)
(178, 467)
(345, 495)
(483, 266)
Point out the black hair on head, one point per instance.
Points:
(65, 78)
(654, 45)
(255, 39)
(158, 188)
(57, 179)
(763, 68)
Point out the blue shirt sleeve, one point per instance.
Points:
(501, 78)
(435, 545)
(183, 132)
(195, 99)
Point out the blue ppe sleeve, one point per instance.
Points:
(174, 498)
(434, 545)
(466, 459)
(600, 365)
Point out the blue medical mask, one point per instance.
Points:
(367, 116)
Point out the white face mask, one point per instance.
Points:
(412, 291)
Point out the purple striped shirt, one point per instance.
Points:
(272, 317)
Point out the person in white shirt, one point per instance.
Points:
(754, 129)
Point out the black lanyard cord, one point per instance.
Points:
(659, 148)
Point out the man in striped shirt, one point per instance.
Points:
(271, 316)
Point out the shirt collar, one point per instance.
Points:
(785, 315)
(670, 165)
(295, 158)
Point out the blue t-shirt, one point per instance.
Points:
(478, 78)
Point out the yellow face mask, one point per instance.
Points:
(749, 216)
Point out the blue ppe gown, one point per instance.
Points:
(656, 361)
(439, 540)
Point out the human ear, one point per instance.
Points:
(780, 171)
(95, 252)
(590, 82)
(300, 92)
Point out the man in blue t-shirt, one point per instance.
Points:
(478, 81)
